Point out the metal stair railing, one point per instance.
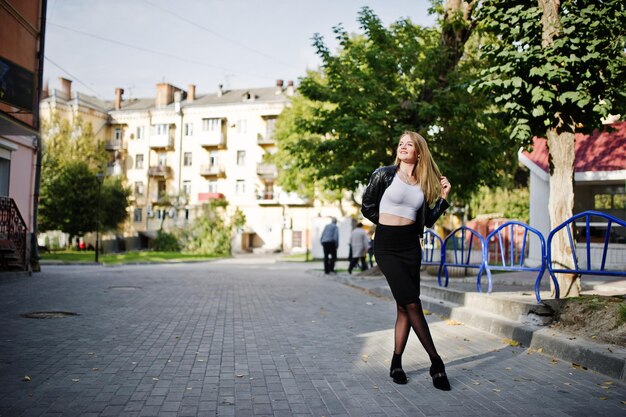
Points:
(13, 228)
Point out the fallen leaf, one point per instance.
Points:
(540, 350)
(475, 382)
(466, 340)
(75, 380)
(510, 342)
(602, 398)
(26, 378)
(555, 360)
(427, 312)
(567, 383)
(496, 390)
(607, 383)
(453, 323)
(94, 369)
(364, 358)
(508, 369)
(594, 337)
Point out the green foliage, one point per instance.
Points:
(512, 203)
(165, 242)
(71, 197)
(567, 81)
(210, 234)
(351, 113)
(621, 314)
(72, 200)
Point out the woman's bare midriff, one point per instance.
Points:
(393, 220)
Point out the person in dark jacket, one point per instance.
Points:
(402, 199)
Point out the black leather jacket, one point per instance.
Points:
(379, 181)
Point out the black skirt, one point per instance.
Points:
(398, 254)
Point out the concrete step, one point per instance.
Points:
(525, 312)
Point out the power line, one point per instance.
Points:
(74, 77)
(151, 51)
(183, 18)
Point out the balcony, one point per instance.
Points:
(162, 171)
(213, 140)
(212, 170)
(160, 199)
(115, 145)
(202, 197)
(162, 141)
(267, 172)
(265, 140)
(267, 198)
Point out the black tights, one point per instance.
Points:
(412, 315)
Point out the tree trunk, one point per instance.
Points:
(560, 207)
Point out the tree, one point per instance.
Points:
(69, 201)
(379, 84)
(69, 187)
(558, 68)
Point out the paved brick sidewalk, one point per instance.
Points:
(245, 337)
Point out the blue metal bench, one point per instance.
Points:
(462, 249)
(511, 255)
(585, 234)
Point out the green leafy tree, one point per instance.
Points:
(380, 83)
(69, 201)
(210, 234)
(557, 68)
(69, 187)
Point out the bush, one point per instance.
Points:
(510, 203)
(165, 242)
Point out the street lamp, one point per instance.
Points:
(99, 178)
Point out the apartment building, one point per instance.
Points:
(180, 150)
(22, 31)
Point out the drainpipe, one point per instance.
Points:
(34, 245)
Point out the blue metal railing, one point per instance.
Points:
(510, 243)
(432, 251)
(585, 234)
(462, 250)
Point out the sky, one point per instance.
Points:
(135, 44)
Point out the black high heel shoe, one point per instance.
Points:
(438, 374)
(398, 375)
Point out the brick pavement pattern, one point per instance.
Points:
(249, 337)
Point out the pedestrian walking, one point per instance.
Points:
(401, 199)
(370, 246)
(330, 241)
(358, 246)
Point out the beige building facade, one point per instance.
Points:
(179, 150)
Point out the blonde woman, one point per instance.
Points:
(401, 199)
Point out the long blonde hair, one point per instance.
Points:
(426, 170)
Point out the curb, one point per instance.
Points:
(606, 359)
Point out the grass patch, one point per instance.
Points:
(124, 257)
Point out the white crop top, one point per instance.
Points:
(402, 199)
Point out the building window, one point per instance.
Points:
(5, 170)
(188, 129)
(187, 159)
(139, 132)
(139, 188)
(240, 187)
(212, 186)
(160, 129)
(241, 158)
(187, 187)
(213, 158)
(117, 134)
(211, 125)
(162, 159)
(609, 201)
(242, 126)
(161, 190)
(270, 126)
(137, 215)
(139, 161)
